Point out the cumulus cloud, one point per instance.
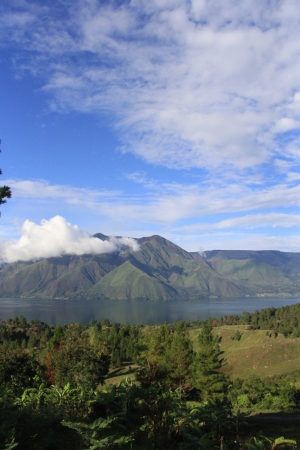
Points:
(57, 237)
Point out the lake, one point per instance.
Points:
(60, 312)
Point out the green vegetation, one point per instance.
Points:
(159, 271)
(284, 320)
(180, 386)
(261, 272)
(5, 191)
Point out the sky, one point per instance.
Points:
(131, 118)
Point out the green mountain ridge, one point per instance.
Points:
(159, 271)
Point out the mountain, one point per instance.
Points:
(160, 270)
(262, 272)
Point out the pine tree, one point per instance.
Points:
(153, 358)
(5, 191)
(206, 371)
(179, 356)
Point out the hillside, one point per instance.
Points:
(256, 353)
(160, 270)
(263, 272)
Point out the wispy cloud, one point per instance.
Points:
(240, 241)
(166, 203)
(189, 84)
(43, 189)
(293, 176)
(273, 220)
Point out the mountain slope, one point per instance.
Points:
(130, 282)
(160, 270)
(287, 262)
(56, 277)
(259, 271)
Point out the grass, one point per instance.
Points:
(256, 353)
(116, 375)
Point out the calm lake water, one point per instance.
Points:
(60, 312)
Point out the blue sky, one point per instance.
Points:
(133, 118)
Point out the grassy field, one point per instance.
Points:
(115, 376)
(256, 353)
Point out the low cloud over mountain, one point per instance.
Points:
(57, 237)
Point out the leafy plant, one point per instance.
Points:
(261, 442)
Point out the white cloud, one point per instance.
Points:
(286, 124)
(43, 189)
(293, 176)
(236, 240)
(167, 203)
(273, 220)
(248, 222)
(189, 84)
(219, 200)
(57, 237)
(243, 241)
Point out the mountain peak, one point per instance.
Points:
(101, 236)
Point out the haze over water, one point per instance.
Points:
(60, 312)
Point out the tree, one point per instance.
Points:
(74, 360)
(153, 358)
(179, 356)
(207, 376)
(17, 369)
(5, 191)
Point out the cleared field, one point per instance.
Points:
(256, 353)
(115, 376)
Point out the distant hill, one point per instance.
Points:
(262, 272)
(160, 270)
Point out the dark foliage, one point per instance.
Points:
(52, 394)
(5, 191)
